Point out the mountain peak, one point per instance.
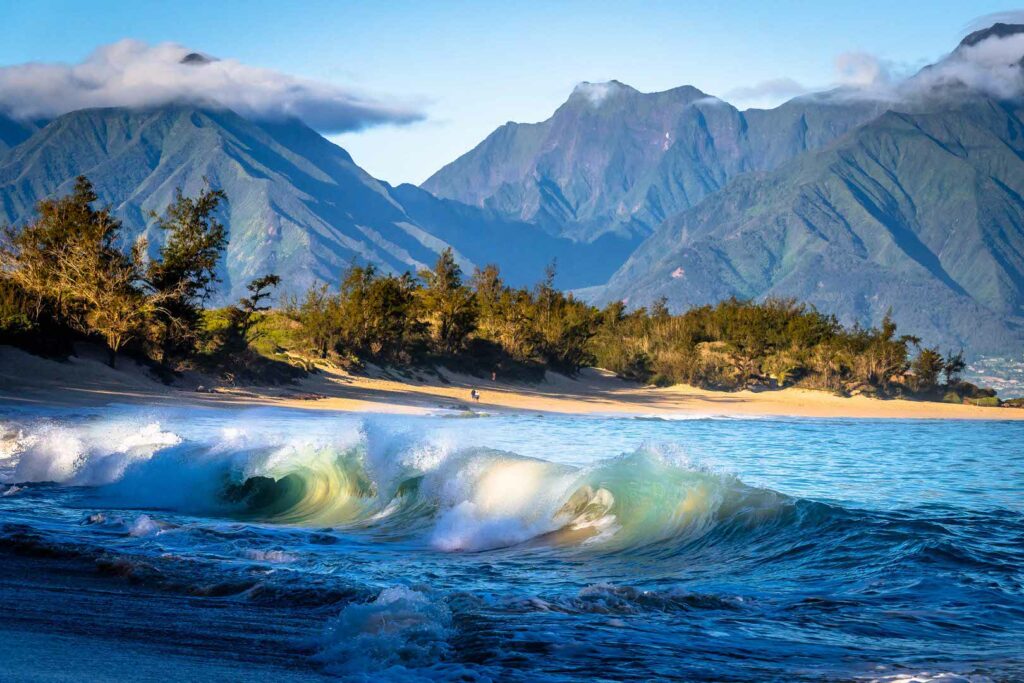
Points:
(196, 59)
(988, 62)
(596, 93)
(997, 30)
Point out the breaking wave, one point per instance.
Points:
(457, 498)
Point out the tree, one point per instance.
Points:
(378, 314)
(319, 319)
(927, 367)
(449, 305)
(106, 285)
(31, 256)
(248, 312)
(883, 355)
(186, 272)
(567, 335)
(68, 261)
(954, 367)
(489, 288)
(564, 326)
(546, 294)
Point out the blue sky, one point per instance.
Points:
(472, 66)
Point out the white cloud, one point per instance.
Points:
(862, 70)
(992, 66)
(130, 73)
(990, 63)
(1007, 17)
(767, 93)
(597, 93)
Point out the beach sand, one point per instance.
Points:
(86, 381)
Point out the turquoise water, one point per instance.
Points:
(543, 547)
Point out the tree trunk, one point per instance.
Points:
(111, 357)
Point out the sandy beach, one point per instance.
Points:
(86, 381)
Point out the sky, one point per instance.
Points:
(407, 87)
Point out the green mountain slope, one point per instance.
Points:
(615, 160)
(13, 133)
(919, 211)
(298, 204)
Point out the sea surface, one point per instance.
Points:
(269, 544)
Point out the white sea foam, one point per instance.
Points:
(144, 525)
(274, 556)
(928, 677)
(87, 454)
(402, 628)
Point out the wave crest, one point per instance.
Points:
(455, 498)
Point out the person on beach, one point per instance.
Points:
(475, 395)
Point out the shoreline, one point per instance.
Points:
(85, 381)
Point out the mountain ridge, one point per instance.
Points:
(298, 204)
(919, 212)
(855, 199)
(633, 159)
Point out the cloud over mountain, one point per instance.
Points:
(989, 61)
(130, 73)
(766, 93)
(862, 70)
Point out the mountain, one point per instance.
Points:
(613, 160)
(996, 30)
(13, 133)
(907, 195)
(298, 205)
(921, 211)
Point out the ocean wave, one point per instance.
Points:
(455, 497)
(80, 454)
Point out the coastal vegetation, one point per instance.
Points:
(72, 275)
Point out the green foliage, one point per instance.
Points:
(506, 316)
(318, 317)
(378, 315)
(926, 369)
(15, 323)
(777, 342)
(448, 305)
(248, 312)
(186, 272)
(954, 367)
(261, 359)
(65, 276)
(70, 275)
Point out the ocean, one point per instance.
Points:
(244, 544)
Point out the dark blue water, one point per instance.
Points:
(547, 548)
